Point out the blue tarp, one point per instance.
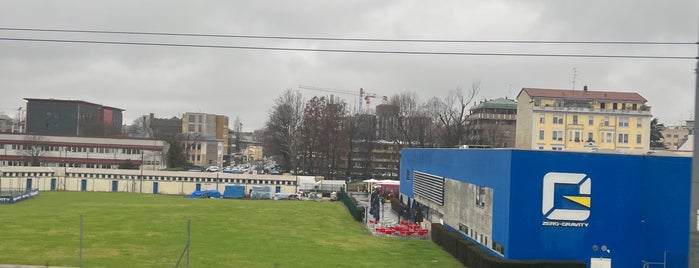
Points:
(205, 194)
(234, 191)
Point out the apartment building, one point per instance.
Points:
(206, 138)
(559, 119)
(492, 123)
(675, 136)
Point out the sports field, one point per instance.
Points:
(143, 230)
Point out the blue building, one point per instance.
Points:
(607, 210)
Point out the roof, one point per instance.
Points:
(582, 94)
(72, 101)
(504, 103)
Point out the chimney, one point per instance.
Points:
(585, 88)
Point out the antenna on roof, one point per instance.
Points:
(575, 75)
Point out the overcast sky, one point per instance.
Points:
(169, 81)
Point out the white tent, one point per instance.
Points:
(370, 184)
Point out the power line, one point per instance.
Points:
(350, 39)
(351, 50)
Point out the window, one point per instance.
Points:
(590, 136)
(557, 147)
(614, 106)
(542, 119)
(638, 138)
(602, 105)
(480, 196)
(191, 118)
(623, 138)
(623, 106)
(577, 136)
(639, 122)
(190, 128)
(606, 121)
(557, 135)
(498, 247)
(537, 102)
(541, 147)
(609, 137)
(623, 121)
(541, 134)
(558, 119)
(634, 107)
(575, 120)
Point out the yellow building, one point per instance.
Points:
(206, 136)
(559, 119)
(253, 153)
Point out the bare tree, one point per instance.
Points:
(321, 135)
(34, 149)
(413, 125)
(282, 127)
(450, 115)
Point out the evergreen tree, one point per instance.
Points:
(175, 155)
(656, 135)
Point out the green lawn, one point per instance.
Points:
(142, 230)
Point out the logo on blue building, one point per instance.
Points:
(566, 199)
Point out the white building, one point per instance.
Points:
(85, 152)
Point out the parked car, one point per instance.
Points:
(213, 169)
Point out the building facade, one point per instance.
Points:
(72, 118)
(209, 131)
(620, 209)
(557, 119)
(6, 123)
(493, 123)
(17, 149)
(138, 181)
(205, 151)
(675, 136)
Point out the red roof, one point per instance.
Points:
(583, 94)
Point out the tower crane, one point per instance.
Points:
(364, 96)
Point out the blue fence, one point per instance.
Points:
(11, 196)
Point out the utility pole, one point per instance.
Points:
(141, 184)
(694, 199)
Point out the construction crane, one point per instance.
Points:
(364, 96)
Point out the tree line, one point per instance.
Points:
(320, 135)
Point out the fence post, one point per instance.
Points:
(80, 256)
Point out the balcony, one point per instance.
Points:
(493, 116)
(609, 126)
(574, 126)
(590, 110)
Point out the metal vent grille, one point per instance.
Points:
(429, 186)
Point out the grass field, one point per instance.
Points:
(143, 230)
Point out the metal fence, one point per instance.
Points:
(357, 212)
